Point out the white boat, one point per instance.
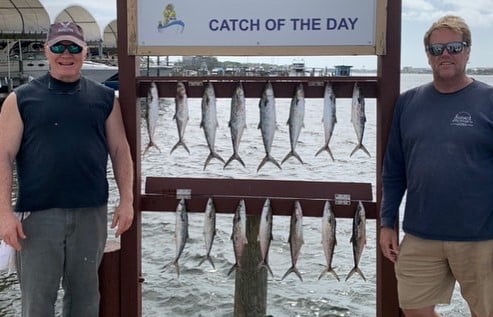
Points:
(25, 59)
(297, 68)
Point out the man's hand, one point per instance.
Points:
(389, 244)
(122, 218)
(11, 229)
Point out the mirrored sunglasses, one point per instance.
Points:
(60, 48)
(452, 48)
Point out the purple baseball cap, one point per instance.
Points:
(65, 31)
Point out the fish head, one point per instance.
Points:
(267, 210)
(180, 90)
(298, 212)
(268, 90)
(239, 91)
(300, 93)
(153, 93)
(181, 205)
(329, 93)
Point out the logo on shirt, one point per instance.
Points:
(462, 119)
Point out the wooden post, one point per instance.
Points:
(389, 83)
(109, 281)
(250, 283)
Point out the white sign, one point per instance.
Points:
(256, 23)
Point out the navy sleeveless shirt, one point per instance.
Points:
(63, 157)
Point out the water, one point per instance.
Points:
(201, 291)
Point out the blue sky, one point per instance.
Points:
(417, 17)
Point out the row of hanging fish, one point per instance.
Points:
(296, 241)
(267, 123)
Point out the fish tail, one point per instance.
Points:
(294, 270)
(292, 153)
(329, 270)
(177, 265)
(208, 258)
(165, 267)
(264, 264)
(355, 269)
(266, 159)
(325, 148)
(360, 146)
(212, 155)
(149, 145)
(234, 267)
(182, 143)
(233, 157)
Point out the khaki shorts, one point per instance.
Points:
(427, 270)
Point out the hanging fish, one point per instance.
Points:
(358, 118)
(267, 124)
(265, 235)
(181, 115)
(209, 122)
(239, 235)
(295, 121)
(329, 118)
(328, 238)
(152, 115)
(358, 239)
(209, 230)
(295, 239)
(181, 234)
(237, 122)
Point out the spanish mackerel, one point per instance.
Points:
(328, 238)
(239, 235)
(358, 118)
(181, 234)
(267, 124)
(265, 235)
(209, 122)
(295, 121)
(295, 239)
(237, 122)
(209, 230)
(181, 115)
(152, 116)
(329, 118)
(358, 238)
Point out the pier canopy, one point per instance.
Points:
(82, 17)
(110, 35)
(23, 19)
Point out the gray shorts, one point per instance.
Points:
(427, 270)
(67, 246)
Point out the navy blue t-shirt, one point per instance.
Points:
(63, 156)
(441, 151)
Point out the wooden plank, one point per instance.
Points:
(284, 87)
(161, 195)
(109, 280)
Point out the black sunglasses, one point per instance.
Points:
(60, 48)
(453, 48)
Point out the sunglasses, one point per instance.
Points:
(60, 48)
(453, 48)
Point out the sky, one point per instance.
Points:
(417, 16)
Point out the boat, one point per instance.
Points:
(24, 59)
(297, 68)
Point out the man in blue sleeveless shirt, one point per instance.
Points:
(59, 129)
(440, 150)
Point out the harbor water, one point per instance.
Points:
(202, 291)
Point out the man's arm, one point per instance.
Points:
(10, 140)
(122, 168)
